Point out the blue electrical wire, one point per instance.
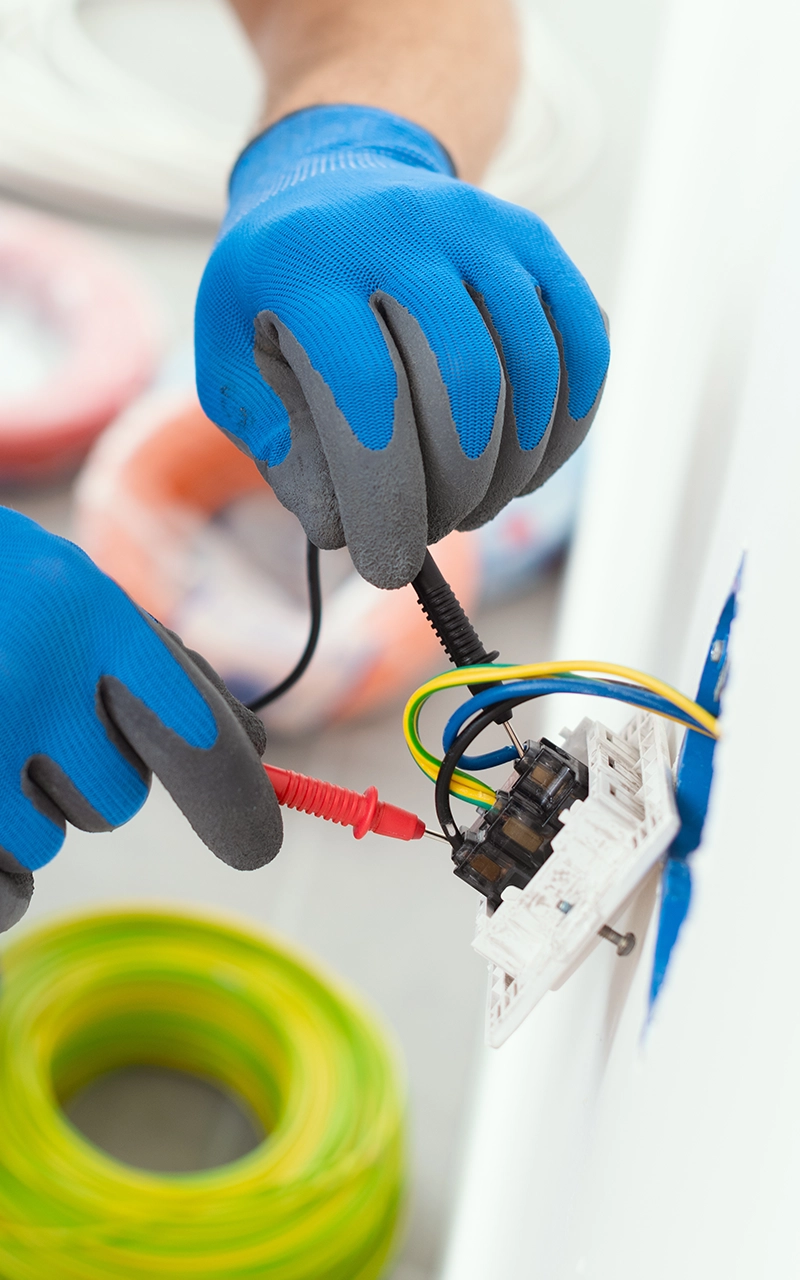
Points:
(531, 689)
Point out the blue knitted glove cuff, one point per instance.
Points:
(322, 139)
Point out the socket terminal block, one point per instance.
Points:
(509, 843)
(606, 846)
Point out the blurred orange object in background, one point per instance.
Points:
(99, 333)
(183, 520)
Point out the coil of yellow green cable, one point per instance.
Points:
(319, 1198)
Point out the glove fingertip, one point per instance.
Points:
(252, 724)
(16, 890)
(253, 828)
(390, 564)
(221, 788)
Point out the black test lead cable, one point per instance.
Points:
(315, 605)
(457, 636)
(440, 605)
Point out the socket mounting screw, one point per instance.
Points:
(624, 942)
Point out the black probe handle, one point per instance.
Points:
(456, 633)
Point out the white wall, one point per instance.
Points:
(595, 1152)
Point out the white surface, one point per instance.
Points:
(606, 847)
(706, 1109)
(678, 1155)
(139, 109)
(29, 350)
(87, 130)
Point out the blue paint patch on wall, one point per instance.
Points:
(692, 790)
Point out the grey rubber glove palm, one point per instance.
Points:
(96, 696)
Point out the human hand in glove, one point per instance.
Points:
(97, 696)
(400, 352)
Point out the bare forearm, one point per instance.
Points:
(449, 65)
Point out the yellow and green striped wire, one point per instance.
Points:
(467, 787)
(319, 1199)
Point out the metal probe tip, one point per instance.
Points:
(519, 747)
(436, 835)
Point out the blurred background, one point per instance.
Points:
(139, 109)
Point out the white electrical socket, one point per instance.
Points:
(539, 935)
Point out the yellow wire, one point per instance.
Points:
(464, 785)
(319, 1197)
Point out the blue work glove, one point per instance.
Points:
(400, 352)
(95, 694)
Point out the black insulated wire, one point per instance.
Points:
(466, 737)
(456, 634)
(443, 610)
(315, 605)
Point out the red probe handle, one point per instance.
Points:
(348, 808)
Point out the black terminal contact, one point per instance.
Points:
(513, 840)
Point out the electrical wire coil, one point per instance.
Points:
(105, 327)
(319, 1197)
